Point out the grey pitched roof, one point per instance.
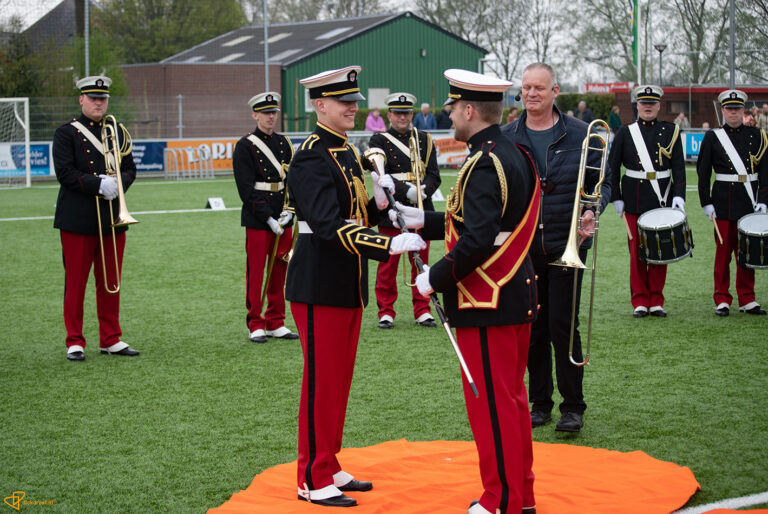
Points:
(289, 43)
(57, 26)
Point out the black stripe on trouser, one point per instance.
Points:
(247, 280)
(310, 394)
(489, 393)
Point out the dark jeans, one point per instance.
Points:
(555, 286)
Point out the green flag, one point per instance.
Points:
(635, 32)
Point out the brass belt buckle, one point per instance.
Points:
(651, 175)
(742, 178)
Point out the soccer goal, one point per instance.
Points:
(15, 170)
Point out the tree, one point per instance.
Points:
(752, 38)
(151, 30)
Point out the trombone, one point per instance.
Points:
(418, 173)
(114, 151)
(582, 199)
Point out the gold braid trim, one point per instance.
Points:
(361, 195)
(755, 159)
(502, 182)
(430, 147)
(667, 151)
(455, 200)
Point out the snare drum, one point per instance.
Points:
(753, 240)
(664, 236)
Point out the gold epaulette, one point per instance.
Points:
(755, 159)
(667, 151)
(311, 140)
(290, 145)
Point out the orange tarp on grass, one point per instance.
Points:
(442, 476)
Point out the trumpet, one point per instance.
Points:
(114, 151)
(582, 199)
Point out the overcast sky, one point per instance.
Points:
(29, 10)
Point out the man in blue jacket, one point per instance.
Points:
(554, 140)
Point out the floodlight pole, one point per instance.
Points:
(86, 34)
(732, 78)
(660, 47)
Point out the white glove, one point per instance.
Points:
(760, 208)
(709, 210)
(411, 193)
(678, 203)
(412, 217)
(422, 282)
(406, 242)
(285, 218)
(108, 187)
(619, 206)
(379, 184)
(274, 226)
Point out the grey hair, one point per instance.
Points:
(543, 66)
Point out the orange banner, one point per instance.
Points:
(219, 149)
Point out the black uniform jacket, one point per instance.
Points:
(638, 194)
(483, 220)
(730, 199)
(326, 184)
(252, 166)
(78, 164)
(398, 162)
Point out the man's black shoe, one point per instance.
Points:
(659, 313)
(640, 312)
(722, 311)
(754, 310)
(539, 418)
(125, 352)
(570, 422)
(341, 500)
(385, 324)
(76, 356)
(429, 322)
(356, 485)
(529, 510)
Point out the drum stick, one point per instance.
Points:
(717, 230)
(626, 224)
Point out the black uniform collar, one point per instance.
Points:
(487, 134)
(649, 123)
(262, 135)
(731, 130)
(399, 135)
(330, 136)
(88, 122)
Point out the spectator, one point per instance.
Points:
(705, 125)
(569, 112)
(374, 122)
(424, 120)
(583, 114)
(762, 118)
(513, 115)
(614, 120)
(443, 118)
(682, 121)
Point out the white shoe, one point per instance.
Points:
(258, 336)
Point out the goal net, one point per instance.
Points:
(15, 163)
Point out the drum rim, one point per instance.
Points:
(683, 221)
(747, 232)
(670, 261)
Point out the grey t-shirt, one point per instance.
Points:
(540, 141)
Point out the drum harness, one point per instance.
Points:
(648, 172)
(738, 165)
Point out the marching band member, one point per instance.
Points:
(489, 286)
(736, 153)
(327, 281)
(80, 164)
(395, 143)
(260, 161)
(651, 151)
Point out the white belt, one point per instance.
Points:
(402, 176)
(731, 177)
(304, 227)
(269, 186)
(651, 175)
(501, 238)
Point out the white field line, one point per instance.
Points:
(730, 503)
(178, 211)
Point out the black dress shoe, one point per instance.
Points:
(570, 422)
(722, 311)
(126, 352)
(289, 335)
(76, 356)
(427, 323)
(385, 324)
(640, 313)
(755, 310)
(356, 485)
(539, 418)
(529, 510)
(659, 313)
(341, 500)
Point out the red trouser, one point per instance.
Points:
(258, 246)
(386, 282)
(79, 252)
(499, 417)
(329, 341)
(745, 277)
(646, 281)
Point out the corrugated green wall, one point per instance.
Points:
(391, 58)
